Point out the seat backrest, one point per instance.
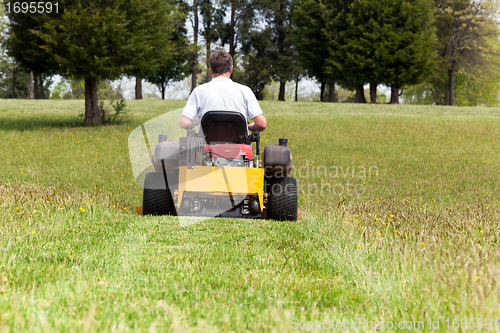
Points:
(224, 127)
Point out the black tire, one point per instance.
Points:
(157, 199)
(282, 199)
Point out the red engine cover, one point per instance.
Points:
(229, 150)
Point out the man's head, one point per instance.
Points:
(221, 63)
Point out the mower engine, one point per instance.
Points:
(228, 155)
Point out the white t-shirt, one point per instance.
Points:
(222, 94)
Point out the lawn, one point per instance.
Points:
(401, 225)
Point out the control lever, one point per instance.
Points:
(256, 138)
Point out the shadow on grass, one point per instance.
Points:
(29, 123)
(33, 122)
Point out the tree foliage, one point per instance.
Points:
(14, 81)
(95, 40)
(173, 65)
(376, 42)
(468, 56)
(172, 68)
(467, 40)
(444, 51)
(310, 41)
(255, 71)
(270, 46)
(213, 31)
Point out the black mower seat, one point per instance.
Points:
(225, 127)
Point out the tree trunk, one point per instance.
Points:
(138, 87)
(394, 95)
(14, 73)
(373, 93)
(42, 93)
(91, 106)
(281, 95)
(297, 88)
(32, 92)
(451, 86)
(35, 87)
(163, 87)
(360, 95)
(195, 45)
(322, 90)
(209, 75)
(231, 30)
(331, 91)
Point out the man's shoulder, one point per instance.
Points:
(200, 87)
(208, 88)
(242, 87)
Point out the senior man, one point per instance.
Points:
(222, 94)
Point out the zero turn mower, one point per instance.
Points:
(214, 173)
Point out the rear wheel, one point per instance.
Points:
(157, 199)
(282, 199)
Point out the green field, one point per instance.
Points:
(411, 235)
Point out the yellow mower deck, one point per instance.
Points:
(208, 180)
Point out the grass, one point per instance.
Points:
(411, 235)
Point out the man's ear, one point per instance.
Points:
(231, 70)
(211, 72)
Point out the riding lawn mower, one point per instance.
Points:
(213, 172)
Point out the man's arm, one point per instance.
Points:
(187, 123)
(259, 123)
(254, 112)
(189, 118)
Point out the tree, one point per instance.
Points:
(477, 88)
(98, 40)
(467, 37)
(241, 19)
(22, 44)
(14, 81)
(173, 66)
(339, 35)
(194, 47)
(255, 69)
(409, 57)
(467, 70)
(170, 70)
(213, 28)
(379, 42)
(310, 41)
(140, 72)
(233, 23)
(238, 34)
(474, 86)
(277, 23)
